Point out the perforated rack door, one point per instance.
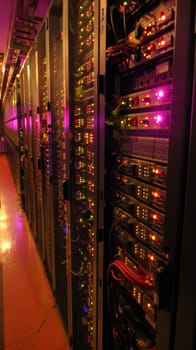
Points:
(46, 152)
(60, 136)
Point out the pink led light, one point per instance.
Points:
(159, 94)
(158, 118)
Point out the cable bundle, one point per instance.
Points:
(126, 273)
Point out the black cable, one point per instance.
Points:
(112, 23)
(116, 316)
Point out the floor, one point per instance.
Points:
(29, 318)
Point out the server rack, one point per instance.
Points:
(11, 111)
(60, 156)
(36, 155)
(86, 192)
(46, 151)
(185, 320)
(25, 121)
(148, 110)
(43, 165)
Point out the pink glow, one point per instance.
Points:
(158, 118)
(159, 94)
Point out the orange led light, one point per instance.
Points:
(153, 237)
(154, 216)
(162, 42)
(162, 17)
(155, 194)
(149, 305)
(151, 257)
(156, 171)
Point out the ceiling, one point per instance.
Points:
(20, 21)
(7, 10)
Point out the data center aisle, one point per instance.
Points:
(29, 318)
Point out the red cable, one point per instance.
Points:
(129, 274)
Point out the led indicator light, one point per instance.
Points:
(162, 17)
(161, 42)
(160, 93)
(158, 118)
(123, 103)
(85, 309)
(153, 237)
(155, 194)
(156, 171)
(151, 257)
(155, 217)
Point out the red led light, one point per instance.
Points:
(134, 121)
(125, 180)
(136, 100)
